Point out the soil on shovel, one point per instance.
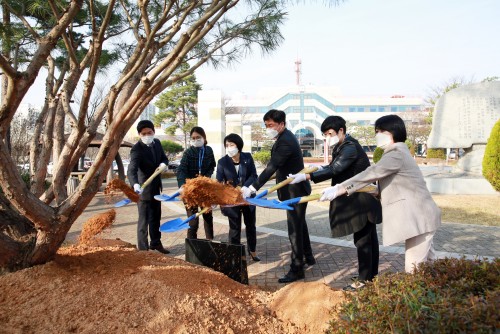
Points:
(107, 286)
(117, 186)
(205, 192)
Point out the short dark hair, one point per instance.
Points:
(145, 124)
(277, 116)
(234, 138)
(333, 122)
(393, 124)
(199, 129)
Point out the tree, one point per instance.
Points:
(491, 159)
(171, 148)
(365, 134)
(151, 41)
(178, 105)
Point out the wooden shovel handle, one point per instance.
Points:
(314, 197)
(283, 183)
(158, 170)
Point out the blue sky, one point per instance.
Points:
(367, 47)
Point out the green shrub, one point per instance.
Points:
(491, 160)
(171, 148)
(262, 157)
(444, 296)
(377, 154)
(437, 153)
(410, 146)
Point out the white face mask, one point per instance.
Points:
(271, 133)
(383, 139)
(332, 140)
(231, 151)
(197, 142)
(147, 139)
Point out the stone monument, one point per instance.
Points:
(463, 118)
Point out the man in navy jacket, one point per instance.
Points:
(286, 158)
(145, 156)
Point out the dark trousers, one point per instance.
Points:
(298, 234)
(192, 232)
(235, 226)
(366, 242)
(149, 220)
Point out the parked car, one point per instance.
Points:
(125, 162)
(172, 165)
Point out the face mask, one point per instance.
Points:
(197, 142)
(332, 140)
(271, 133)
(147, 139)
(231, 151)
(383, 140)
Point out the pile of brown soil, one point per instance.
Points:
(117, 289)
(205, 192)
(117, 186)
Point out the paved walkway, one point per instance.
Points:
(336, 257)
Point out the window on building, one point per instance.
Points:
(373, 109)
(381, 109)
(352, 109)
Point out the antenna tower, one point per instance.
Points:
(298, 71)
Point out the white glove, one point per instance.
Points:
(330, 193)
(137, 188)
(297, 178)
(318, 167)
(246, 192)
(162, 166)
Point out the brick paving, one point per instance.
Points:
(336, 257)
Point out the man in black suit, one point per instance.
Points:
(286, 158)
(146, 155)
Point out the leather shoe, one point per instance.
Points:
(255, 258)
(310, 261)
(354, 286)
(161, 249)
(292, 276)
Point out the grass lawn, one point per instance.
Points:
(469, 209)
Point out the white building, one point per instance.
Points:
(306, 108)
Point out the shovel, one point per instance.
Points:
(168, 198)
(283, 183)
(144, 185)
(179, 224)
(288, 204)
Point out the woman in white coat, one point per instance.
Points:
(408, 211)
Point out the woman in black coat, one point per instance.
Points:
(357, 213)
(238, 169)
(198, 160)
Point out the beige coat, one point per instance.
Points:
(408, 209)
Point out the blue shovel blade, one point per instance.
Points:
(176, 224)
(123, 202)
(262, 194)
(166, 198)
(268, 203)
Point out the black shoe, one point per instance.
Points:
(292, 276)
(254, 258)
(354, 286)
(160, 249)
(310, 261)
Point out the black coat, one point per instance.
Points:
(349, 214)
(286, 158)
(189, 167)
(226, 173)
(143, 165)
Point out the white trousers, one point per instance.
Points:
(419, 249)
